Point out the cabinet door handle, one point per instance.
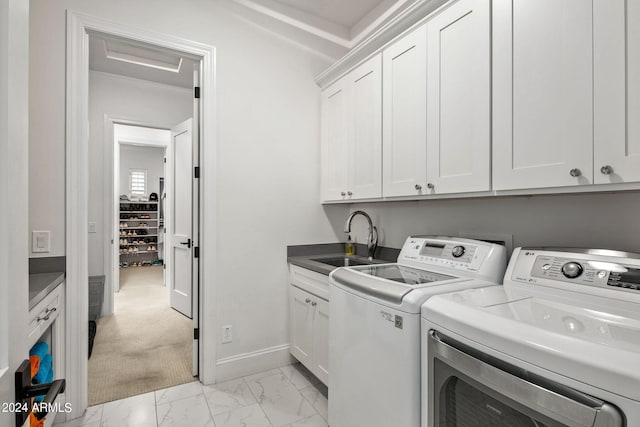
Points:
(418, 187)
(50, 310)
(349, 193)
(430, 186)
(342, 193)
(313, 304)
(606, 170)
(307, 300)
(575, 172)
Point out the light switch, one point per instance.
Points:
(92, 227)
(40, 241)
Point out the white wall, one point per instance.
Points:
(123, 98)
(604, 220)
(268, 151)
(150, 159)
(14, 16)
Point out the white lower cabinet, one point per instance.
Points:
(301, 325)
(320, 333)
(309, 328)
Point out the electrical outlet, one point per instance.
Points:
(227, 334)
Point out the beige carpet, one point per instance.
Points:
(145, 345)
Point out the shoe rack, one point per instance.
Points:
(139, 232)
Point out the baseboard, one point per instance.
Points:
(251, 363)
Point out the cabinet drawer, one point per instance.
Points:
(42, 316)
(310, 281)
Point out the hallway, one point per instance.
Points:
(145, 346)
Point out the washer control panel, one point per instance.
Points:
(470, 258)
(580, 270)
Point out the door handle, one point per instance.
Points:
(187, 243)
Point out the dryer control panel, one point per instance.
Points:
(602, 269)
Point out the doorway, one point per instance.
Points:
(145, 343)
(145, 340)
(79, 27)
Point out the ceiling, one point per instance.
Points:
(140, 60)
(345, 13)
(345, 23)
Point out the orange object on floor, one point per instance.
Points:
(34, 422)
(35, 365)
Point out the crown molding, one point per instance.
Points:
(319, 27)
(407, 19)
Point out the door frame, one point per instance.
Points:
(111, 220)
(77, 176)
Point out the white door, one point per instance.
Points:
(181, 218)
(616, 91)
(404, 97)
(365, 139)
(334, 142)
(459, 98)
(542, 93)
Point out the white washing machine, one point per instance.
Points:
(557, 345)
(374, 326)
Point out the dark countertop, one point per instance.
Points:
(308, 262)
(41, 285)
(304, 255)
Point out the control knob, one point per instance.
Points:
(571, 270)
(457, 251)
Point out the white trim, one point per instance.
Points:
(113, 193)
(141, 81)
(526, 192)
(331, 32)
(377, 17)
(253, 362)
(110, 222)
(77, 119)
(408, 18)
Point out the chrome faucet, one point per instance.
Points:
(372, 241)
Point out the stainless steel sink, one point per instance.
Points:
(342, 261)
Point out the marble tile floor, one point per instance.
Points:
(285, 397)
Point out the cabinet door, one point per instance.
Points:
(334, 142)
(301, 325)
(321, 340)
(458, 98)
(617, 91)
(365, 128)
(404, 88)
(542, 93)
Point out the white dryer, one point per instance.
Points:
(374, 326)
(557, 345)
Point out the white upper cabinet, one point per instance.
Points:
(334, 142)
(404, 115)
(352, 134)
(459, 99)
(616, 91)
(365, 168)
(542, 93)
